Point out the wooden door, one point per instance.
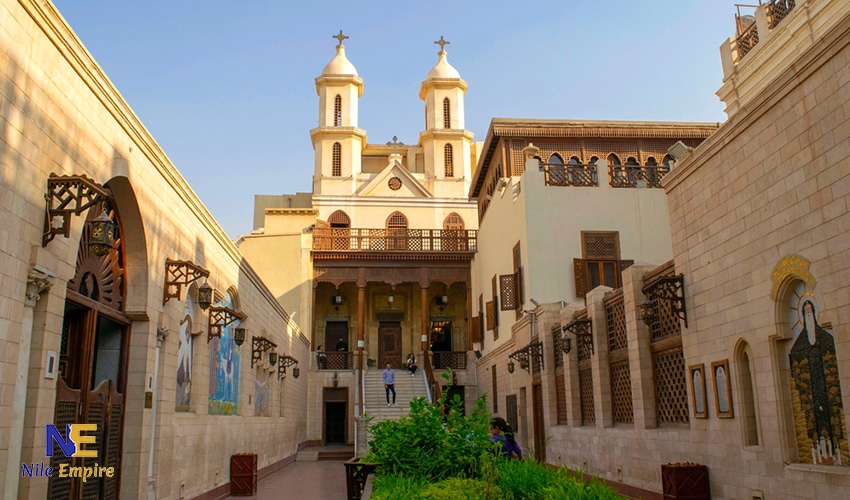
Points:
(539, 431)
(93, 358)
(389, 344)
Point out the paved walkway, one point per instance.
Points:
(322, 479)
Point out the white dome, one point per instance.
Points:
(442, 69)
(339, 65)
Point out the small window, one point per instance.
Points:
(339, 219)
(447, 113)
(448, 158)
(337, 160)
(614, 159)
(651, 162)
(397, 220)
(338, 111)
(574, 161)
(631, 161)
(556, 159)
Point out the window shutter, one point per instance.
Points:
(491, 315)
(508, 290)
(580, 270)
(473, 329)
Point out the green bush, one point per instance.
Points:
(431, 444)
(524, 479)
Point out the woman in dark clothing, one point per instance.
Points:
(503, 433)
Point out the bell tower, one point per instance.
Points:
(337, 141)
(447, 145)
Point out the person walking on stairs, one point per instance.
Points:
(389, 383)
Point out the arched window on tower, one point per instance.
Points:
(396, 231)
(448, 161)
(454, 236)
(337, 160)
(338, 111)
(447, 113)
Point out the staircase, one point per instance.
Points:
(406, 388)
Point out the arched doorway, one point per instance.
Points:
(93, 362)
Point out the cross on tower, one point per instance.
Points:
(340, 37)
(442, 43)
(395, 144)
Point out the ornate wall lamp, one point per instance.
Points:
(205, 295)
(666, 288)
(336, 300)
(69, 195)
(221, 317)
(259, 345)
(238, 336)
(287, 361)
(581, 328)
(521, 356)
(272, 358)
(180, 273)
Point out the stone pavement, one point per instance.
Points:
(322, 479)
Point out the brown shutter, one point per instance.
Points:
(473, 329)
(580, 270)
(491, 315)
(508, 290)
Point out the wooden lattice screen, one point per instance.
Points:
(671, 387)
(585, 382)
(618, 358)
(556, 347)
(561, 398)
(508, 291)
(491, 314)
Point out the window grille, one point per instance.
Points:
(511, 411)
(495, 386)
(337, 160)
(585, 382)
(447, 113)
(495, 304)
(508, 290)
(518, 281)
(448, 160)
(621, 393)
(671, 391)
(339, 219)
(556, 346)
(561, 398)
(397, 220)
(338, 111)
(340, 230)
(615, 313)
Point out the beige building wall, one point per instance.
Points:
(61, 115)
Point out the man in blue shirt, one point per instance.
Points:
(389, 383)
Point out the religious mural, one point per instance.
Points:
(224, 369)
(185, 346)
(262, 394)
(815, 390)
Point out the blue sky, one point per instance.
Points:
(227, 88)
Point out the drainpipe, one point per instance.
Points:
(38, 281)
(161, 335)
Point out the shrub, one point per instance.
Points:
(431, 444)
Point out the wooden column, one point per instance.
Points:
(424, 319)
(470, 335)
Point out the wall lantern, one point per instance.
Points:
(648, 310)
(582, 329)
(272, 358)
(180, 273)
(511, 367)
(390, 299)
(205, 294)
(566, 344)
(442, 300)
(221, 317)
(259, 345)
(69, 195)
(101, 233)
(287, 361)
(336, 300)
(238, 336)
(669, 289)
(525, 356)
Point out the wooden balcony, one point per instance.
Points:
(395, 240)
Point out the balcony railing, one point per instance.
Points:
(395, 240)
(558, 174)
(334, 360)
(777, 10)
(456, 360)
(630, 176)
